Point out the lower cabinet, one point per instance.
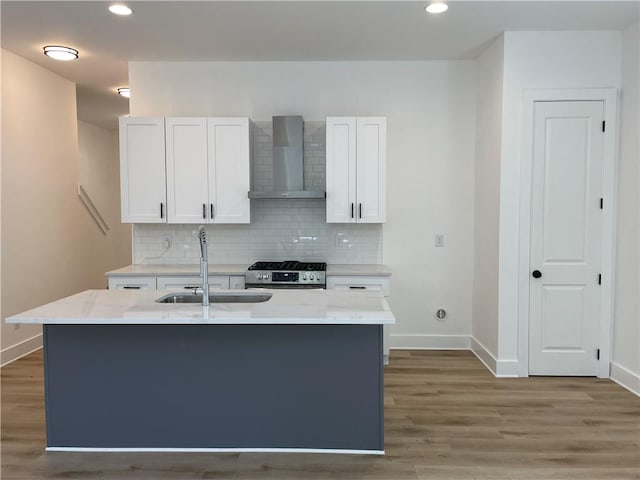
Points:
(132, 283)
(169, 282)
(236, 282)
(192, 281)
(376, 283)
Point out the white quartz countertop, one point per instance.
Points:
(169, 270)
(223, 269)
(121, 307)
(357, 270)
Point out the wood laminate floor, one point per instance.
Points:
(446, 417)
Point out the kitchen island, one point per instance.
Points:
(299, 372)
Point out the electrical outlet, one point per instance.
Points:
(440, 314)
(341, 240)
(439, 240)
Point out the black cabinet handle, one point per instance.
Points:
(354, 287)
(204, 210)
(161, 210)
(352, 205)
(360, 210)
(192, 287)
(130, 287)
(536, 274)
(212, 211)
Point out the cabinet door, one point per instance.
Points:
(132, 283)
(341, 169)
(379, 283)
(142, 170)
(229, 181)
(371, 169)
(187, 184)
(236, 282)
(192, 281)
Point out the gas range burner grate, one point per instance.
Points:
(291, 265)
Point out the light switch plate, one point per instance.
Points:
(439, 240)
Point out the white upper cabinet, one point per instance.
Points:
(187, 184)
(142, 170)
(356, 169)
(371, 169)
(205, 178)
(341, 169)
(229, 177)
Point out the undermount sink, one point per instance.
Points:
(240, 297)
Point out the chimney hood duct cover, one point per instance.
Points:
(288, 166)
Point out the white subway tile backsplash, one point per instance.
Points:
(279, 229)
(299, 236)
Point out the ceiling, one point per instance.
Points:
(266, 30)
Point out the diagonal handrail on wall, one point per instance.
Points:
(93, 210)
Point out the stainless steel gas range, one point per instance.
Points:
(286, 274)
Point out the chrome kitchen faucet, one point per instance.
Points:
(204, 265)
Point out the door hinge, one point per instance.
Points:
(599, 279)
(601, 203)
(603, 125)
(598, 354)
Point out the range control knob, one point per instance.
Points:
(304, 276)
(266, 276)
(310, 276)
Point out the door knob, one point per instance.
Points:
(536, 274)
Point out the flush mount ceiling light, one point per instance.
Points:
(59, 52)
(124, 91)
(437, 7)
(120, 9)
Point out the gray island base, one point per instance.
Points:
(306, 388)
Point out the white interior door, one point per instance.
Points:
(566, 229)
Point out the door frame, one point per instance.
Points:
(609, 97)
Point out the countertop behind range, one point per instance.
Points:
(233, 269)
(179, 270)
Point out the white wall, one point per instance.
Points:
(538, 60)
(99, 175)
(626, 351)
(431, 114)
(51, 247)
(490, 66)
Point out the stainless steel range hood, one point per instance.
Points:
(288, 167)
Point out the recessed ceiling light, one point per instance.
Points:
(125, 92)
(59, 52)
(120, 9)
(437, 7)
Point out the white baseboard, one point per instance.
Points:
(625, 378)
(484, 355)
(19, 350)
(500, 368)
(508, 369)
(429, 342)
